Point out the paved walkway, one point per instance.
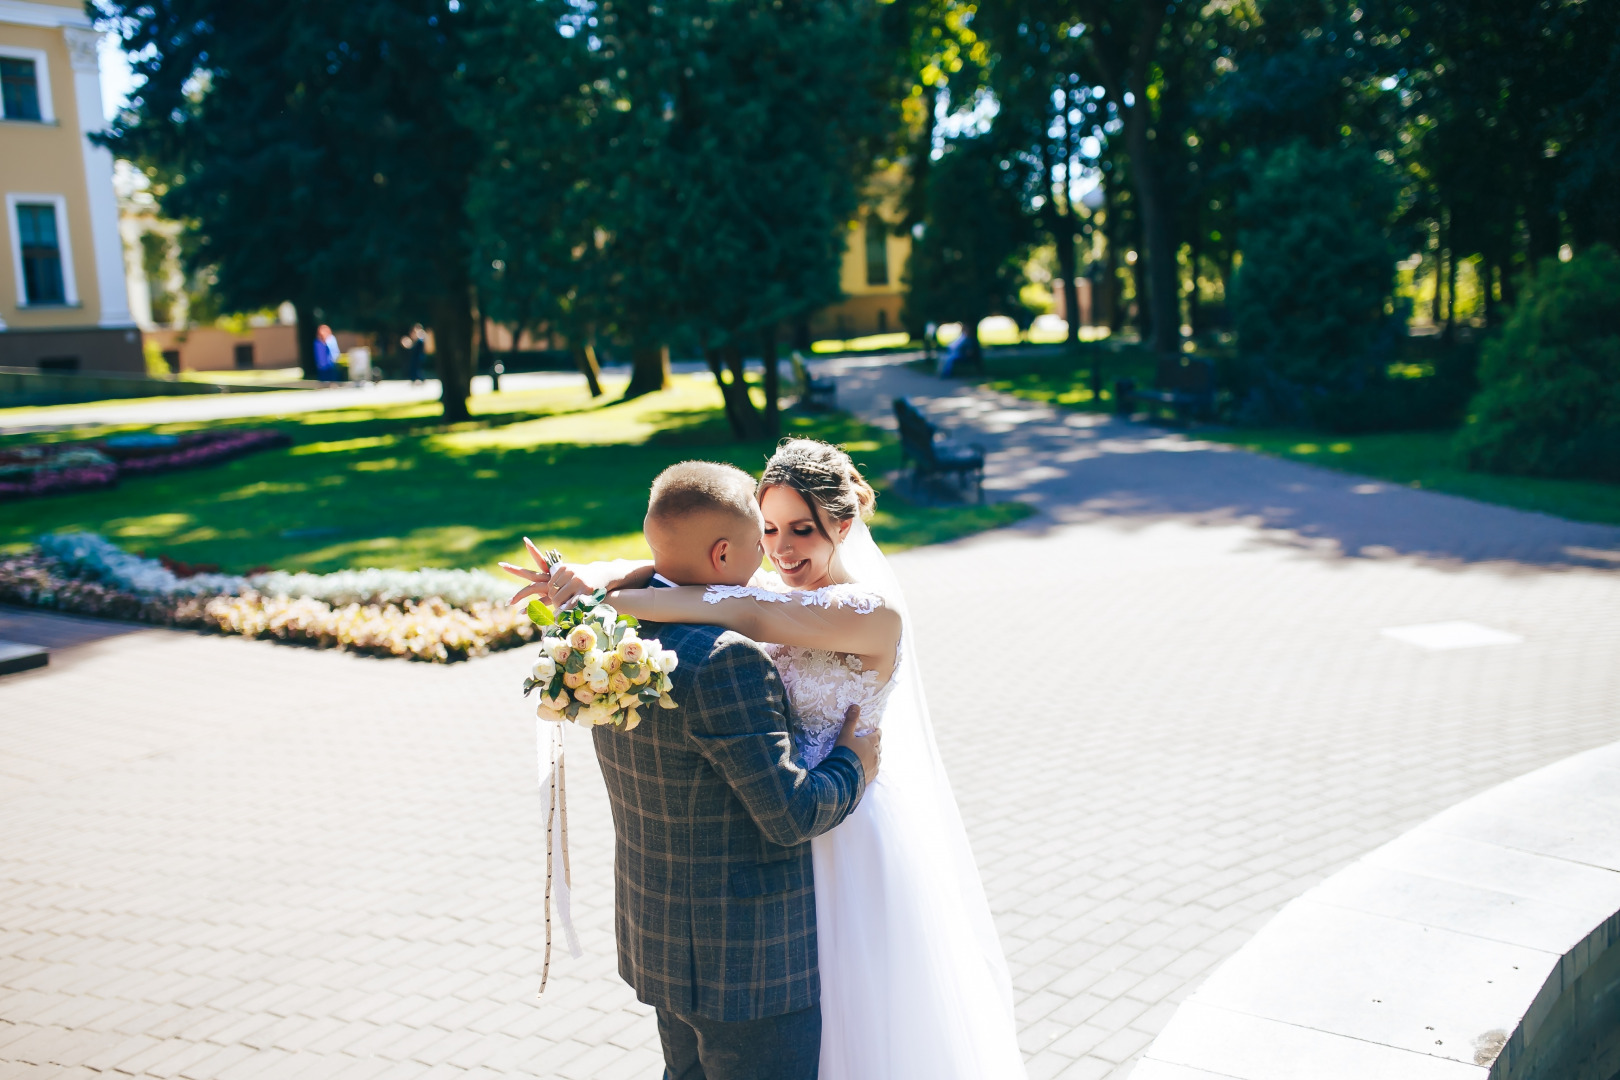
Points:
(229, 859)
(194, 408)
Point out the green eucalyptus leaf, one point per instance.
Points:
(539, 614)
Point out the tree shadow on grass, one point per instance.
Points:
(398, 492)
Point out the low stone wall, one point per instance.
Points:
(1483, 944)
(89, 348)
(25, 387)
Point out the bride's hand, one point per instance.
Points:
(562, 584)
(539, 581)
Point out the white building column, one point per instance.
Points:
(84, 52)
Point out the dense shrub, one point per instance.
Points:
(1549, 399)
(1311, 302)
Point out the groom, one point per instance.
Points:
(716, 910)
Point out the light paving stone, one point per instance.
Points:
(250, 838)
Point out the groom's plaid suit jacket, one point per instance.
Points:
(716, 910)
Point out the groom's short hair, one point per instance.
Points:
(695, 486)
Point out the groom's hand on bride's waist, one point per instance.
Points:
(868, 747)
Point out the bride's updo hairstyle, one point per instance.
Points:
(825, 478)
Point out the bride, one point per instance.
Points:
(914, 985)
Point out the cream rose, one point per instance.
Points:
(618, 683)
(573, 679)
(585, 695)
(545, 712)
(600, 685)
(582, 638)
(560, 652)
(632, 650)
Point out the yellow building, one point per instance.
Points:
(63, 301)
(874, 259)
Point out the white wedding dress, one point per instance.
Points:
(914, 984)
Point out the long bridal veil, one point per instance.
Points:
(913, 969)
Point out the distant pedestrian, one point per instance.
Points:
(963, 352)
(326, 354)
(415, 346)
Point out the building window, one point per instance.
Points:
(19, 89)
(877, 251)
(41, 254)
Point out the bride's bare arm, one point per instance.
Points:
(839, 627)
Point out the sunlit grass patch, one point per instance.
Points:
(390, 486)
(862, 344)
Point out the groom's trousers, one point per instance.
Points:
(786, 1047)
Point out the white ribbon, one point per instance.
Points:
(554, 811)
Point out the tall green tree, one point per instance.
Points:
(1046, 112)
(969, 261)
(312, 153)
(532, 202)
(1131, 45)
(684, 172)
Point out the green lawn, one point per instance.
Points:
(1065, 378)
(1424, 459)
(393, 487)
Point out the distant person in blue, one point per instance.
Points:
(326, 354)
(415, 346)
(964, 351)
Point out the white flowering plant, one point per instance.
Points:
(594, 668)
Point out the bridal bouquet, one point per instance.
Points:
(593, 667)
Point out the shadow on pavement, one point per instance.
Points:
(1091, 468)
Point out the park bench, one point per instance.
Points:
(815, 393)
(932, 455)
(1184, 384)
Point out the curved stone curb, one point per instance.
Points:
(1440, 955)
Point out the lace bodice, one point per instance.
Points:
(821, 684)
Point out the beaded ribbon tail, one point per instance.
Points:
(554, 811)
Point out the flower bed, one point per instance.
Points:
(29, 471)
(377, 612)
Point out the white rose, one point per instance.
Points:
(668, 661)
(544, 669)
